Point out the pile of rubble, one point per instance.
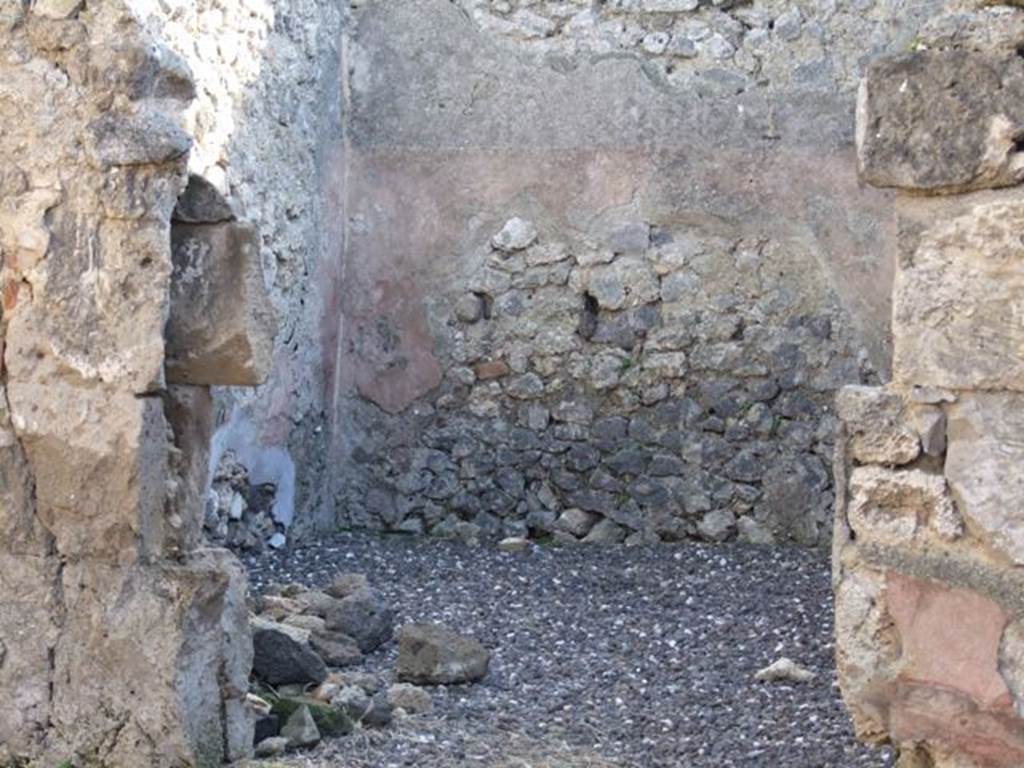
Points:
(238, 513)
(308, 644)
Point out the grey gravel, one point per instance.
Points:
(602, 656)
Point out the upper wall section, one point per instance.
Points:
(721, 47)
(693, 270)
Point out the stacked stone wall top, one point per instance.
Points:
(717, 46)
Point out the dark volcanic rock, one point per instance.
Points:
(336, 649)
(364, 617)
(282, 655)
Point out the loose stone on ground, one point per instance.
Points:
(601, 657)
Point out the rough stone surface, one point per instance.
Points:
(577, 522)
(364, 617)
(411, 698)
(221, 327)
(202, 203)
(57, 9)
(954, 292)
(346, 583)
(431, 654)
(897, 506)
(784, 670)
(867, 648)
(274, 746)
(300, 730)
(878, 432)
(998, 29)
(942, 121)
(126, 643)
(516, 235)
(283, 654)
(984, 451)
(335, 648)
(689, 271)
(265, 125)
(530, 258)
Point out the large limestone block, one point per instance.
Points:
(152, 664)
(97, 305)
(875, 425)
(958, 315)
(983, 467)
(221, 328)
(896, 506)
(941, 121)
(29, 613)
(99, 458)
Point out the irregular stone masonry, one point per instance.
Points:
(719, 44)
(929, 529)
(666, 381)
(629, 329)
(592, 288)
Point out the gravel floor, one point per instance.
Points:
(641, 657)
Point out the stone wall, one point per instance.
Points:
(609, 257)
(265, 125)
(719, 46)
(122, 640)
(928, 531)
(669, 381)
